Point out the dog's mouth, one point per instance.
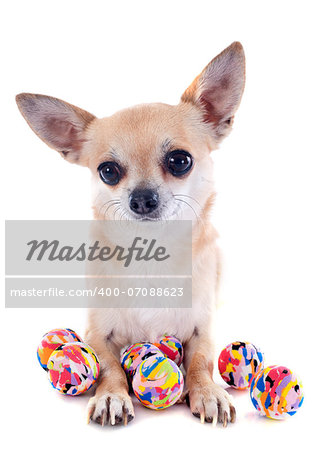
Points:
(147, 217)
(158, 216)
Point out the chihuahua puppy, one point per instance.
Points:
(153, 162)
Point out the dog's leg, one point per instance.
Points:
(111, 403)
(207, 400)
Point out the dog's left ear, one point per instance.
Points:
(218, 89)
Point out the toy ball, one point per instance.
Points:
(158, 382)
(132, 357)
(239, 362)
(276, 392)
(73, 368)
(171, 347)
(52, 340)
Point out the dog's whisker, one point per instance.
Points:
(124, 214)
(110, 206)
(190, 206)
(102, 206)
(115, 212)
(121, 214)
(110, 203)
(198, 218)
(188, 196)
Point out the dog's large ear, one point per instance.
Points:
(218, 89)
(59, 124)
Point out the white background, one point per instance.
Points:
(105, 55)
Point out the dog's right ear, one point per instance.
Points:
(59, 124)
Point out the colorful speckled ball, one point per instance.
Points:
(132, 357)
(239, 362)
(171, 347)
(276, 392)
(73, 368)
(158, 382)
(52, 340)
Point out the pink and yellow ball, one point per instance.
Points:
(171, 347)
(239, 362)
(52, 340)
(276, 392)
(73, 368)
(158, 382)
(132, 357)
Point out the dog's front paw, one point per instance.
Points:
(211, 403)
(111, 409)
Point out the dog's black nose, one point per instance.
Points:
(143, 201)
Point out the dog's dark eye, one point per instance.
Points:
(179, 162)
(110, 172)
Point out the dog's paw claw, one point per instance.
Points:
(212, 404)
(233, 414)
(110, 409)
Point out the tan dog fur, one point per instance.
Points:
(137, 138)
